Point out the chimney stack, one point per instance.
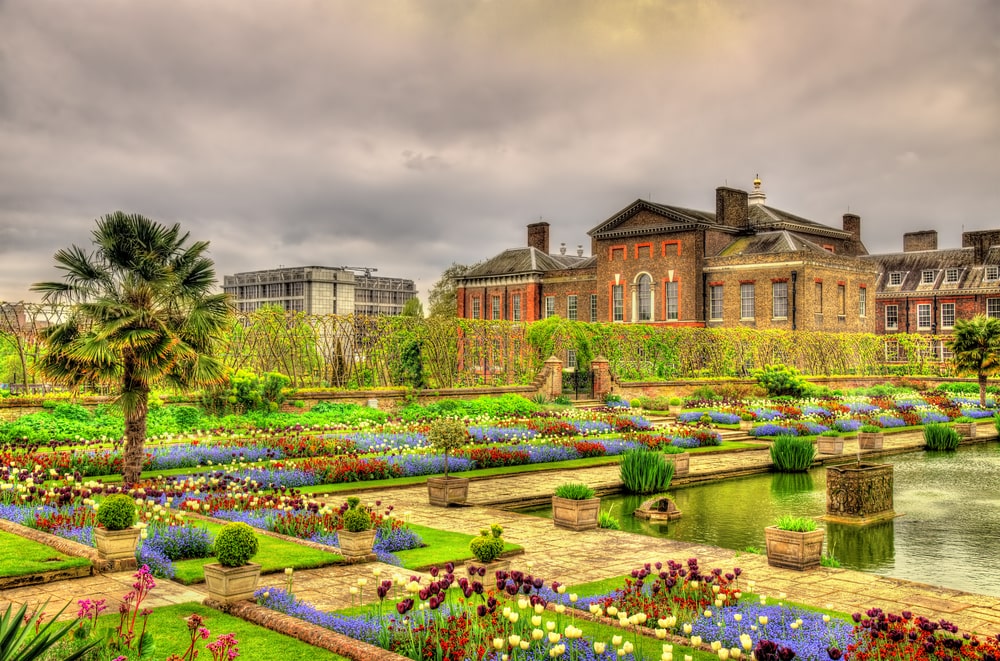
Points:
(538, 236)
(732, 208)
(981, 241)
(925, 240)
(852, 225)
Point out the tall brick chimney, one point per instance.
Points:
(852, 225)
(924, 240)
(732, 207)
(982, 241)
(538, 236)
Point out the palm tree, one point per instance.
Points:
(141, 312)
(976, 345)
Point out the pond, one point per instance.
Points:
(947, 535)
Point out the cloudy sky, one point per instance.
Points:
(409, 134)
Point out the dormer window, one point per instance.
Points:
(951, 276)
(896, 278)
(992, 273)
(927, 277)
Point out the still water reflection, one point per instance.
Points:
(948, 535)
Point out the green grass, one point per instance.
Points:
(171, 636)
(272, 556)
(20, 556)
(441, 546)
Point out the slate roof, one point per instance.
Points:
(527, 260)
(764, 217)
(912, 265)
(771, 243)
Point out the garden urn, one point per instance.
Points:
(576, 514)
(444, 491)
(793, 550)
(356, 544)
(231, 584)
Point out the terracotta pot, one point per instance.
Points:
(444, 491)
(356, 544)
(682, 463)
(830, 445)
(793, 550)
(870, 440)
(230, 584)
(116, 544)
(575, 514)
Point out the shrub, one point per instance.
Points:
(488, 546)
(235, 544)
(356, 518)
(574, 491)
(791, 454)
(941, 437)
(447, 434)
(116, 512)
(675, 401)
(795, 523)
(779, 380)
(645, 471)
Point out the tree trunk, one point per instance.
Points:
(135, 423)
(982, 390)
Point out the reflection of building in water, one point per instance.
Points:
(320, 290)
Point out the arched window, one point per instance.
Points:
(645, 296)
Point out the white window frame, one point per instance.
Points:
(779, 300)
(515, 305)
(673, 301)
(892, 317)
(495, 308)
(924, 317)
(571, 311)
(618, 303)
(571, 361)
(927, 276)
(715, 303)
(991, 273)
(895, 278)
(644, 297)
(862, 302)
(593, 307)
(993, 307)
(951, 275)
(947, 315)
(476, 307)
(747, 301)
(550, 306)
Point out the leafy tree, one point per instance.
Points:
(976, 345)
(141, 313)
(413, 308)
(443, 296)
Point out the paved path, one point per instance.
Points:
(570, 557)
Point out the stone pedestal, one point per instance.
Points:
(859, 493)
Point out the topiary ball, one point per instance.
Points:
(116, 512)
(235, 544)
(488, 546)
(357, 519)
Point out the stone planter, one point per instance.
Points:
(355, 544)
(793, 550)
(659, 508)
(231, 584)
(116, 545)
(870, 440)
(859, 493)
(966, 429)
(746, 425)
(830, 445)
(490, 568)
(682, 463)
(575, 514)
(674, 410)
(444, 491)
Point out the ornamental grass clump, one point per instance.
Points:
(117, 512)
(488, 546)
(447, 434)
(645, 471)
(235, 544)
(574, 491)
(791, 454)
(795, 523)
(941, 437)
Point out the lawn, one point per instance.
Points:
(272, 556)
(20, 556)
(441, 546)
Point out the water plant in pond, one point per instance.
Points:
(790, 454)
(941, 437)
(645, 471)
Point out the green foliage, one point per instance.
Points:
(447, 434)
(562, 400)
(645, 471)
(827, 560)
(413, 308)
(675, 401)
(356, 518)
(442, 298)
(607, 521)
(116, 512)
(574, 491)
(248, 392)
(235, 544)
(941, 437)
(779, 380)
(870, 429)
(791, 454)
(795, 523)
(504, 406)
(410, 369)
(975, 344)
(704, 392)
(24, 637)
(959, 388)
(488, 546)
